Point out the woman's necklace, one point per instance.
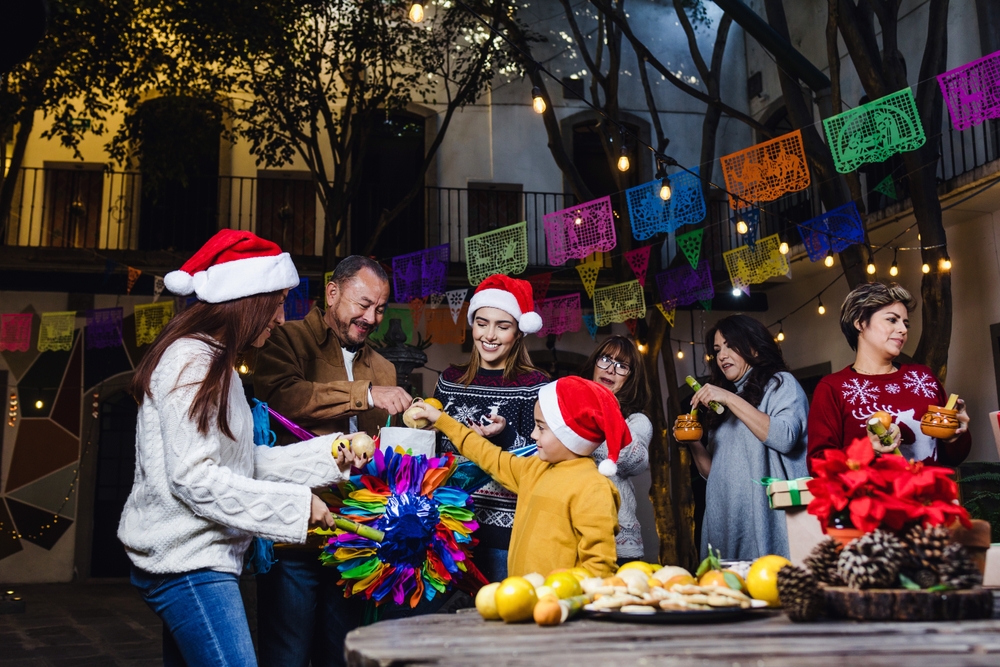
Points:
(892, 369)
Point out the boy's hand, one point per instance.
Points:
(425, 411)
(495, 427)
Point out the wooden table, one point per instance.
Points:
(768, 640)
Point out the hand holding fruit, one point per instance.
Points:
(353, 449)
(394, 400)
(421, 414)
(890, 441)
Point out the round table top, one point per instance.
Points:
(765, 638)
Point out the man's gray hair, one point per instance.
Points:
(350, 266)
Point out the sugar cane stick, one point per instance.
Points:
(697, 387)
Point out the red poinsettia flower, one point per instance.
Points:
(886, 491)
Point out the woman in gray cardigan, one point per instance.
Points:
(617, 365)
(761, 433)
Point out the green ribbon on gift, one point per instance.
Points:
(795, 487)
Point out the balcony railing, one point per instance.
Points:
(89, 207)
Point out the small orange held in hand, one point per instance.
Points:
(883, 417)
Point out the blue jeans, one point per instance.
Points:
(491, 562)
(302, 613)
(204, 622)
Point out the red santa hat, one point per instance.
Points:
(510, 295)
(583, 414)
(232, 265)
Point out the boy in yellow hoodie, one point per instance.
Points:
(567, 511)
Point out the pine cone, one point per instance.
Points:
(822, 562)
(871, 561)
(800, 594)
(957, 569)
(925, 548)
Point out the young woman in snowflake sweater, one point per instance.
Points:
(875, 320)
(495, 394)
(202, 489)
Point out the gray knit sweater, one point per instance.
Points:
(738, 521)
(631, 461)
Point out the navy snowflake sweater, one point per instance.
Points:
(514, 400)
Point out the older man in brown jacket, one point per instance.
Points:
(319, 373)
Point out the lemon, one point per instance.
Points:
(564, 584)
(762, 579)
(639, 565)
(515, 599)
(486, 602)
(580, 573)
(434, 403)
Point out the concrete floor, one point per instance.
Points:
(103, 623)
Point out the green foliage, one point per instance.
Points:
(981, 496)
(304, 80)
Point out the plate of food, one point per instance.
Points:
(680, 604)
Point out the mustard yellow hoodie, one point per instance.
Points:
(567, 512)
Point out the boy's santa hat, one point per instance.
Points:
(232, 265)
(510, 295)
(583, 414)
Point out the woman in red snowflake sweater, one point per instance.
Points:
(875, 320)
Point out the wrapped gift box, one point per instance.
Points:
(785, 493)
(413, 441)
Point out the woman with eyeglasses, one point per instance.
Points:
(617, 365)
(761, 433)
(495, 395)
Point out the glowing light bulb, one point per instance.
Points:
(537, 101)
(708, 357)
(416, 12)
(736, 291)
(894, 269)
(783, 248)
(641, 346)
(926, 268)
(243, 369)
(39, 405)
(741, 227)
(822, 309)
(829, 260)
(781, 336)
(665, 191)
(871, 268)
(946, 264)
(578, 220)
(680, 353)
(623, 162)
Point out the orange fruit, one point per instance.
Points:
(883, 417)
(762, 579)
(713, 578)
(682, 579)
(729, 574)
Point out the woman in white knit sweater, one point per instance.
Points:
(202, 489)
(617, 365)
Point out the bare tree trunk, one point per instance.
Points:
(832, 187)
(880, 77)
(8, 183)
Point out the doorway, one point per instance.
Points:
(389, 168)
(115, 472)
(178, 146)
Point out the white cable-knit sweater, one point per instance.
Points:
(197, 500)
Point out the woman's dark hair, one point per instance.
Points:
(866, 300)
(634, 395)
(228, 328)
(752, 341)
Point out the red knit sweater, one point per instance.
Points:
(843, 402)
